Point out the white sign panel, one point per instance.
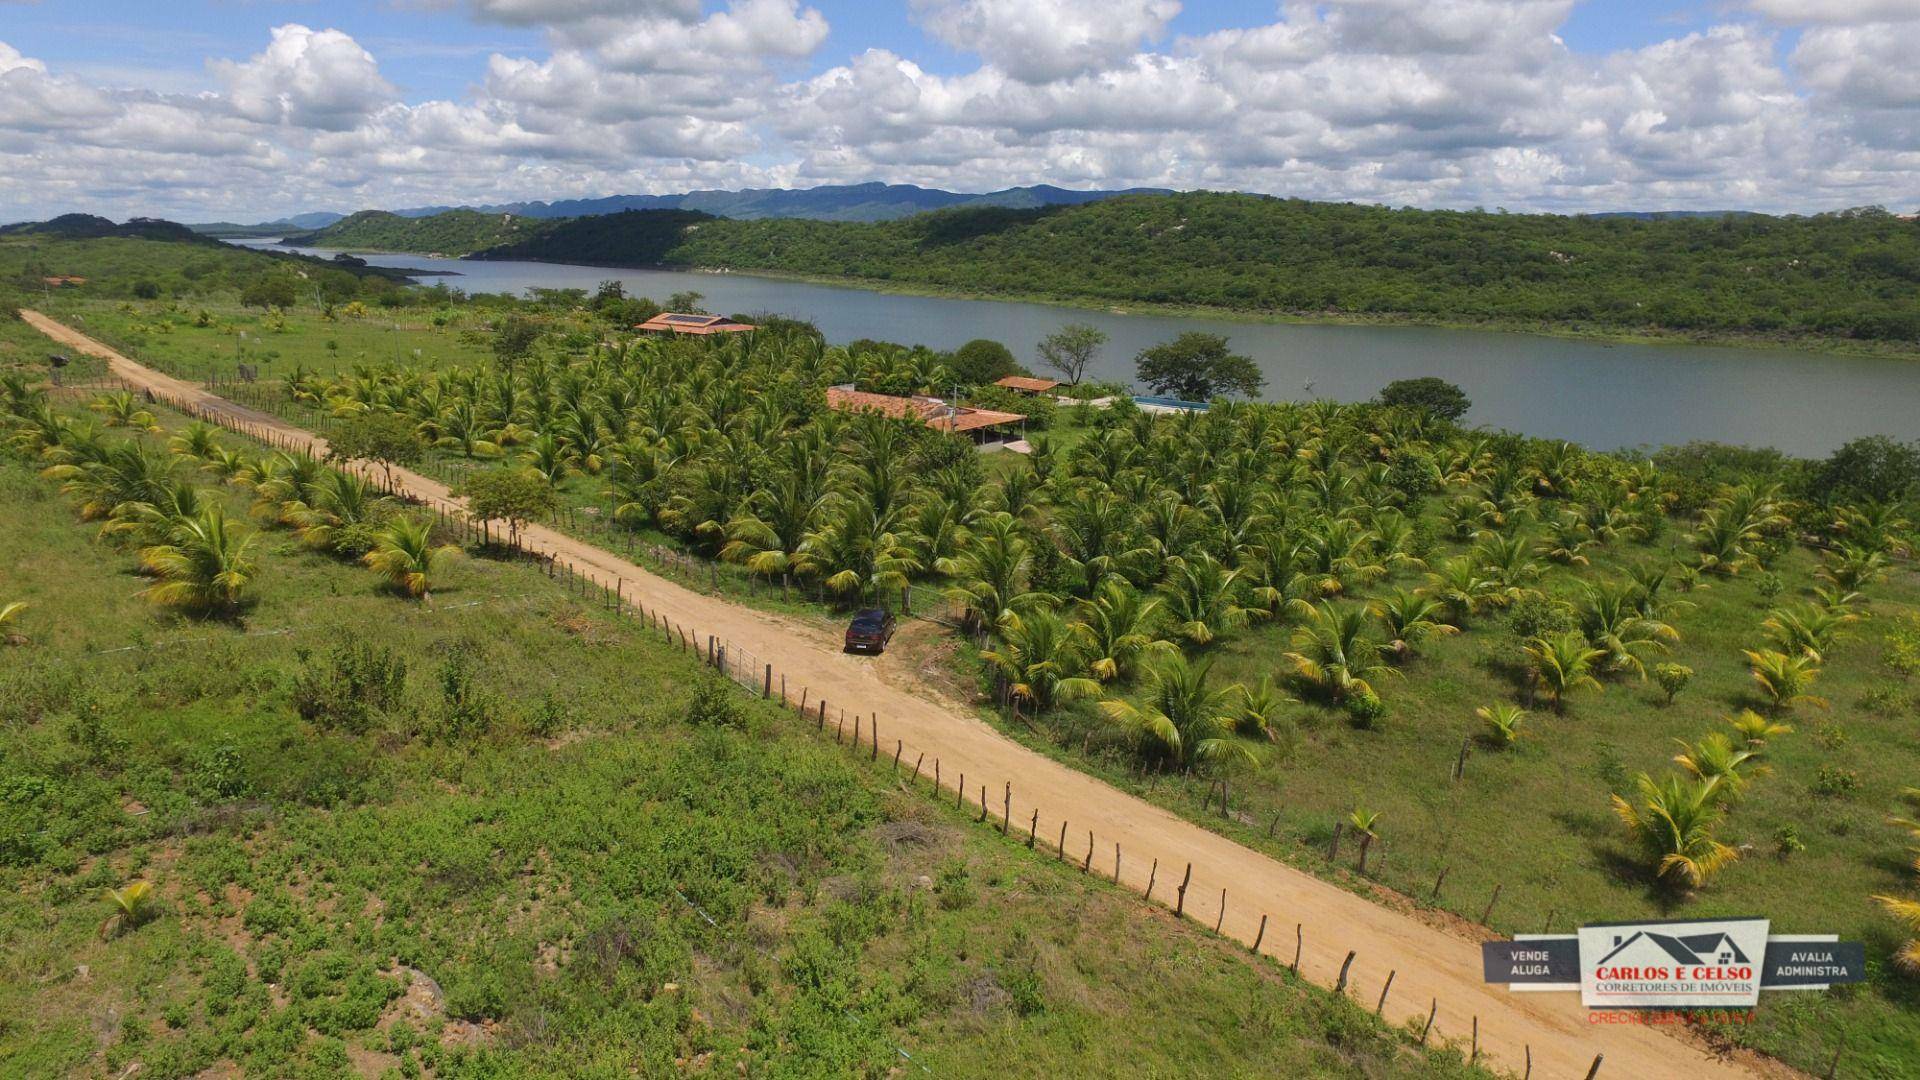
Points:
(1689, 964)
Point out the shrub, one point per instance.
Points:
(465, 708)
(714, 703)
(352, 688)
(1834, 782)
(1768, 584)
(1672, 678)
(1786, 840)
(219, 775)
(1903, 646)
(1534, 616)
(1365, 708)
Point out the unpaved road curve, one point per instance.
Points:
(1429, 965)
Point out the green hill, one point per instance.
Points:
(1852, 275)
(630, 238)
(456, 232)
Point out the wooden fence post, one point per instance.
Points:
(1088, 864)
(1341, 985)
(1437, 882)
(1033, 830)
(1151, 876)
(1381, 1008)
(1006, 808)
(1061, 852)
(1594, 1069)
(1333, 846)
(1260, 934)
(1299, 943)
(899, 747)
(1487, 914)
(1180, 905)
(1431, 1010)
(1220, 919)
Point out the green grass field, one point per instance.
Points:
(562, 883)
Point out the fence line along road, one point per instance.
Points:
(1341, 940)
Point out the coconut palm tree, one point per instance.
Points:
(197, 440)
(1714, 757)
(1182, 721)
(1852, 567)
(1203, 599)
(766, 535)
(104, 477)
(132, 905)
(1907, 913)
(1365, 824)
(465, 428)
(344, 507)
(9, 619)
(992, 572)
(404, 553)
(1559, 664)
(856, 550)
(1039, 658)
(1409, 618)
(1333, 653)
(1805, 628)
(1502, 724)
(1116, 629)
(1785, 679)
(1674, 823)
(122, 409)
(1610, 613)
(205, 567)
(1459, 584)
(1732, 526)
(1756, 730)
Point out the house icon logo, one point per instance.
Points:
(1692, 964)
(1692, 950)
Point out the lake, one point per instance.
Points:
(1601, 395)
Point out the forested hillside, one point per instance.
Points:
(456, 232)
(1848, 275)
(1852, 275)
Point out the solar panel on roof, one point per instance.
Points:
(697, 320)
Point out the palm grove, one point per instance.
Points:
(1110, 570)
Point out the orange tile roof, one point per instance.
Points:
(1022, 382)
(64, 279)
(930, 411)
(677, 323)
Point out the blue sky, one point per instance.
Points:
(242, 107)
(430, 55)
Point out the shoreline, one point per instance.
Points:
(1603, 335)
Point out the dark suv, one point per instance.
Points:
(870, 631)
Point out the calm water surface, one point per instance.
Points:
(1604, 396)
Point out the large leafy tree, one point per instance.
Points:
(1198, 366)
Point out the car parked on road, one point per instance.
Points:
(870, 631)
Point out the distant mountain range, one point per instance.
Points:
(318, 219)
(844, 202)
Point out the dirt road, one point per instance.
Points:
(1430, 967)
